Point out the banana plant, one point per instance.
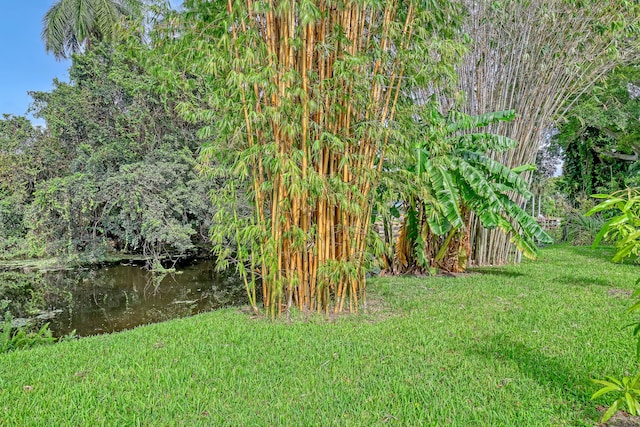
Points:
(452, 174)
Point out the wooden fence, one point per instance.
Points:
(549, 223)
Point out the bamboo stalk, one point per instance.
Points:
(534, 57)
(313, 243)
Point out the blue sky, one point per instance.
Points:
(25, 65)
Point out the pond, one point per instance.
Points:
(113, 298)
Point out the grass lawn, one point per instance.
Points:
(510, 346)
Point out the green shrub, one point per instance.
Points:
(21, 338)
(623, 227)
(581, 230)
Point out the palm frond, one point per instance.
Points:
(55, 28)
(69, 24)
(106, 16)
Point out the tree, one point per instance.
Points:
(73, 25)
(535, 57)
(17, 136)
(600, 137)
(127, 178)
(304, 102)
(548, 159)
(18, 173)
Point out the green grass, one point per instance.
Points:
(509, 346)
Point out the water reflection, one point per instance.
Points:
(110, 299)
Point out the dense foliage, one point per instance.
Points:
(20, 339)
(114, 168)
(21, 167)
(600, 137)
(623, 225)
(302, 108)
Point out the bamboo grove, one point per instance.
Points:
(305, 106)
(305, 101)
(537, 57)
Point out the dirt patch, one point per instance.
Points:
(619, 293)
(620, 419)
(374, 310)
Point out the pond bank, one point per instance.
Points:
(115, 296)
(60, 264)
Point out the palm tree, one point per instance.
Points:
(73, 25)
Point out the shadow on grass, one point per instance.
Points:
(495, 271)
(604, 253)
(550, 372)
(584, 281)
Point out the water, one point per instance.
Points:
(114, 298)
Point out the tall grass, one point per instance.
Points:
(582, 230)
